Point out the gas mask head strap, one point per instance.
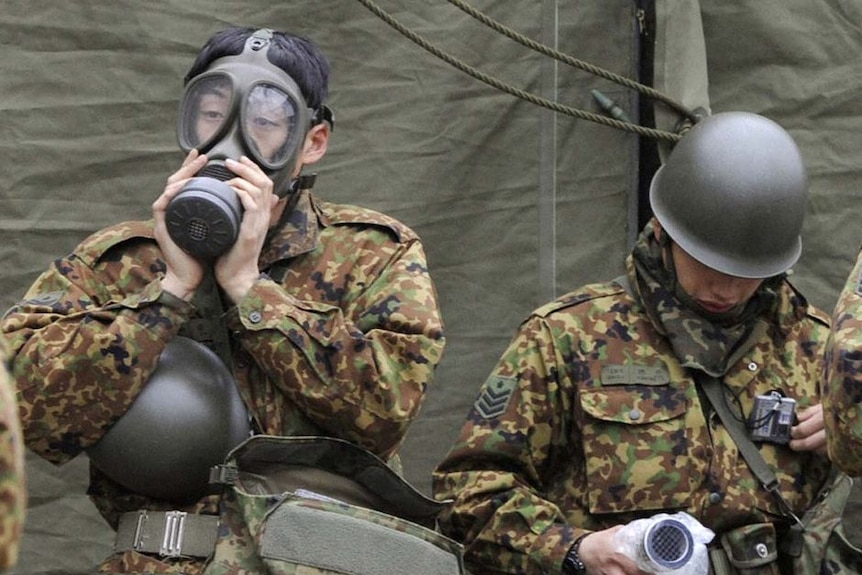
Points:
(323, 114)
(259, 40)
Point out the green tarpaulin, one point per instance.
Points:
(516, 204)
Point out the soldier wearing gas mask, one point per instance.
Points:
(241, 106)
(246, 305)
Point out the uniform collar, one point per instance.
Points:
(298, 232)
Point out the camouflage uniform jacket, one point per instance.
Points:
(13, 488)
(344, 345)
(843, 396)
(589, 421)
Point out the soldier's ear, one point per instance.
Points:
(315, 145)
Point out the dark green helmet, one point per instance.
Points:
(186, 419)
(733, 195)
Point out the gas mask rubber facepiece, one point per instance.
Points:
(242, 105)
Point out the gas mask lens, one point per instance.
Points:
(205, 111)
(269, 124)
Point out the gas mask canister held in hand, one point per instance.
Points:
(242, 105)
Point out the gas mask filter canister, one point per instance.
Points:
(242, 105)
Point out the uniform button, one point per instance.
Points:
(255, 317)
(752, 366)
(715, 497)
(635, 414)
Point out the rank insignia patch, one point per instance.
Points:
(495, 396)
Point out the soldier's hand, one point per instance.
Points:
(183, 273)
(237, 269)
(601, 554)
(809, 434)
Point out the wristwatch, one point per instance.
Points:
(572, 564)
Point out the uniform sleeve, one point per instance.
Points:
(13, 490)
(497, 469)
(358, 370)
(83, 343)
(842, 398)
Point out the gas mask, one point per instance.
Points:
(242, 105)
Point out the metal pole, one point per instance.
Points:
(548, 160)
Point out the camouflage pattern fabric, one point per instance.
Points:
(589, 421)
(242, 546)
(842, 399)
(344, 345)
(13, 488)
(826, 549)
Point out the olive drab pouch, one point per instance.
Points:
(747, 550)
(321, 506)
(822, 547)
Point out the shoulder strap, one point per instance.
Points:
(712, 387)
(210, 327)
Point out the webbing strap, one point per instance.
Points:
(167, 533)
(749, 451)
(712, 387)
(719, 564)
(210, 327)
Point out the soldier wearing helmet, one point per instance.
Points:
(158, 345)
(596, 416)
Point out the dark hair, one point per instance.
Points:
(298, 56)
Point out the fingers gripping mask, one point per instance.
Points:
(242, 105)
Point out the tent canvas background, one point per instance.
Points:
(515, 204)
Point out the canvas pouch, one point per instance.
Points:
(321, 506)
(822, 547)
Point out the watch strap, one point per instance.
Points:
(572, 563)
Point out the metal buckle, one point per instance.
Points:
(172, 542)
(224, 474)
(138, 540)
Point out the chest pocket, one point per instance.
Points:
(636, 448)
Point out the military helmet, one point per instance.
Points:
(185, 420)
(733, 195)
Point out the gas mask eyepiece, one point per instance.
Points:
(241, 106)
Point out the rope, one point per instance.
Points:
(527, 96)
(574, 62)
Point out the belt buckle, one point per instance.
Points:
(172, 541)
(138, 539)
